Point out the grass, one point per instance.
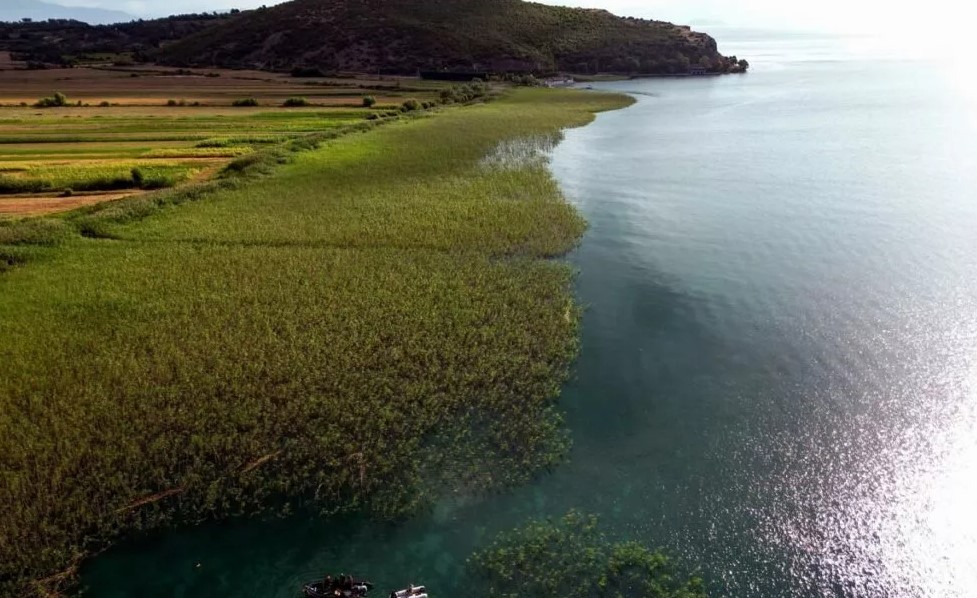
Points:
(368, 328)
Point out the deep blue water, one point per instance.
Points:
(778, 379)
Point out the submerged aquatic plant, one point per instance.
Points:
(523, 152)
(572, 558)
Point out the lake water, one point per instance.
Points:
(778, 379)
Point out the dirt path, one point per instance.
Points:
(35, 205)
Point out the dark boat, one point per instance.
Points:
(319, 589)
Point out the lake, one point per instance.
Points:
(778, 379)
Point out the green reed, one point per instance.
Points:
(367, 329)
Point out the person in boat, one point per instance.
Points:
(328, 583)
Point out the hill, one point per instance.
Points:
(16, 10)
(404, 36)
(63, 41)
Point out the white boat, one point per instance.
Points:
(410, 592)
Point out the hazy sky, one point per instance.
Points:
(931, 16)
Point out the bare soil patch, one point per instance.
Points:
(18, 206)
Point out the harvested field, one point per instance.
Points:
(214, 87)
(40, 205)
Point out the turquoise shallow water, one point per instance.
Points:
(778, 379)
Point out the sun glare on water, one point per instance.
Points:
(906, 516)
(883, 503)
(939, 523)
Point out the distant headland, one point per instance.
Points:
(393, 37)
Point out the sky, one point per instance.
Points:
(935, 18)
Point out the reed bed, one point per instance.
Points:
(369, 328)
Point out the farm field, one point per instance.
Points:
(153, 86)
(373, 324)
(151, 128)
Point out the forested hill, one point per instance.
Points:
(478, 35)
(64, 41)
(387, 36)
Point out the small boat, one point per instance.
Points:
(410, 592)
(320, 589)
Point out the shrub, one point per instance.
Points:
(411, 105)
(369, 101)
(9, 259)
(526, 80)
(104, 104)
(138, 178)
(158, 181)
(212, 143)
(245, 103)
(171, 102)
(58, 100)
(244, 163)
(464, 93)
(295, 103)
(67, 192)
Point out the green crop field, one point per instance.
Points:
(371, 325)
(42, 152)
(115, 130)
(96, 175)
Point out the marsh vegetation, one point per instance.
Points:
(374, 325)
